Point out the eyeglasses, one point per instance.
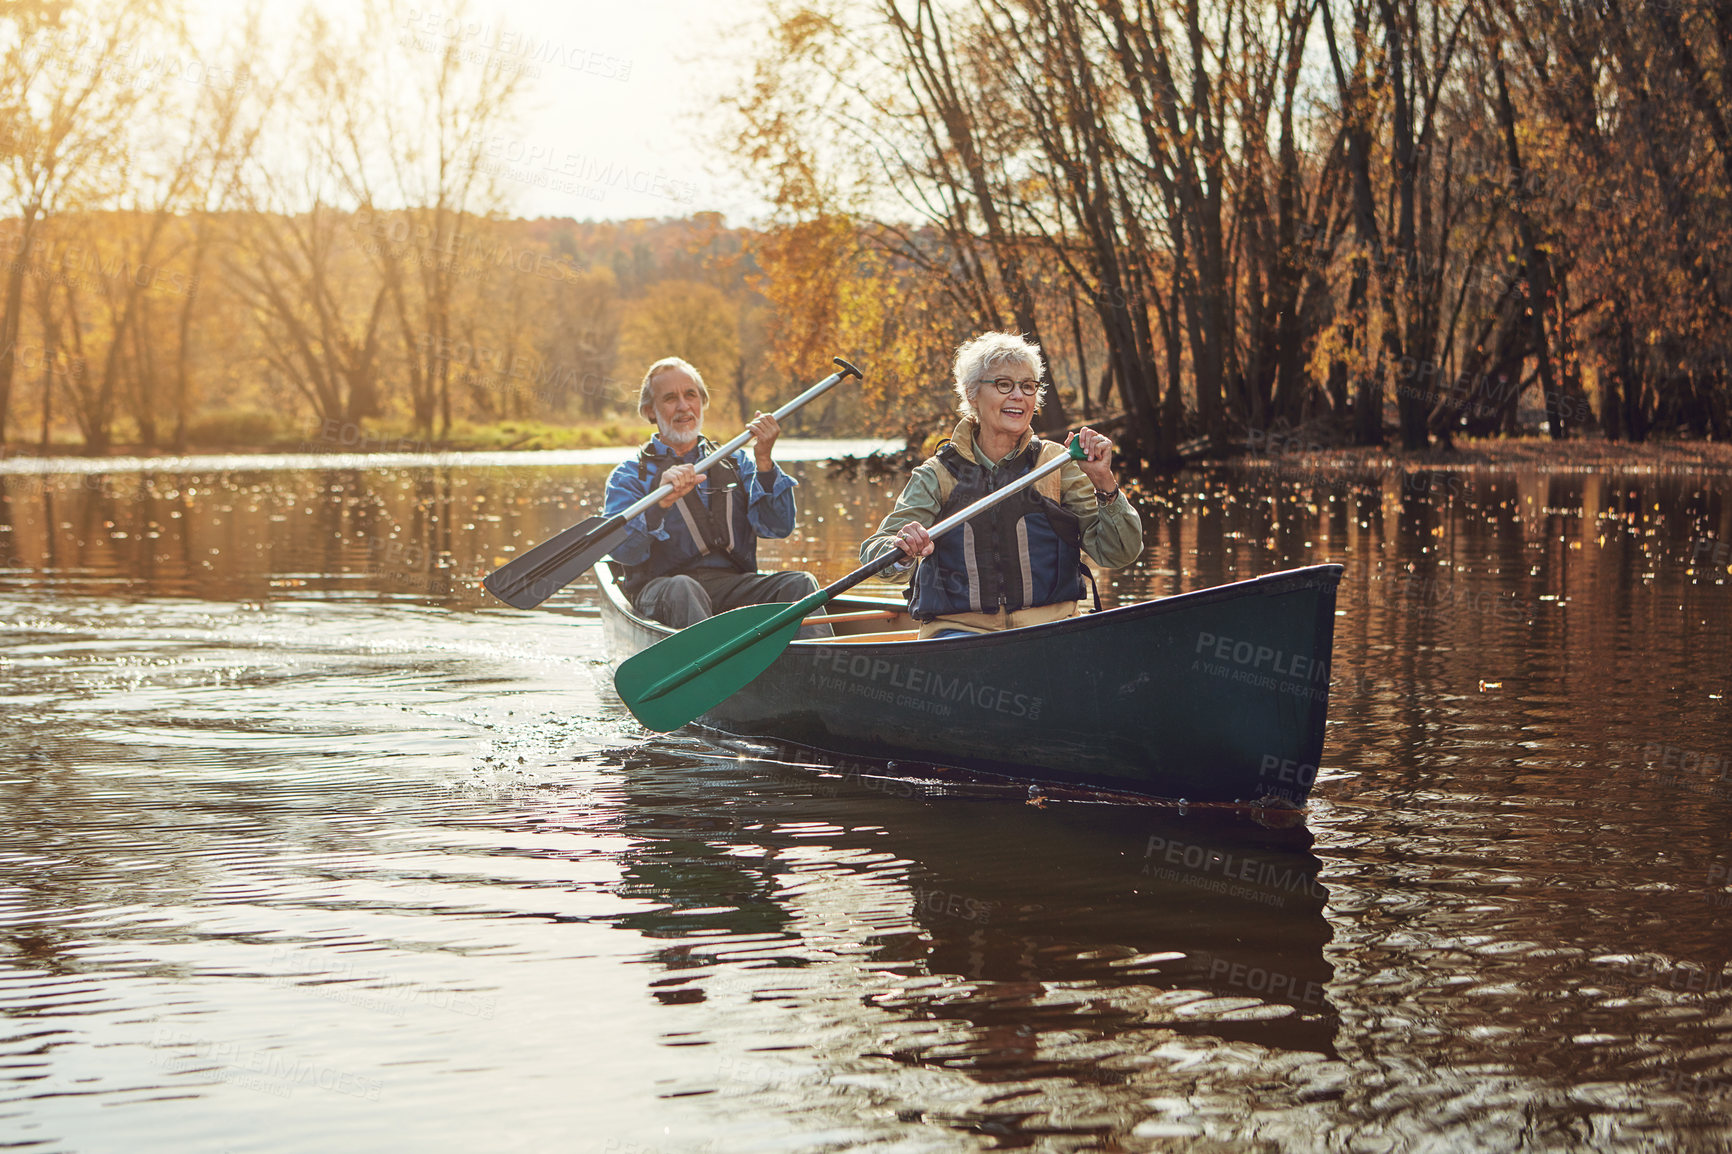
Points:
(1005, 385)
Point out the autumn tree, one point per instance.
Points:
(687, 319)
(1334, 211)
(405, 126)
(68, 100)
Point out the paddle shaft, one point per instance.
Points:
(728, 449)
(515, 582)
(813, 601)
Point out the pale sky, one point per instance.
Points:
(612, 86)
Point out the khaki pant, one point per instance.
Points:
(688, 598)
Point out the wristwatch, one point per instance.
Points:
(1102, 498)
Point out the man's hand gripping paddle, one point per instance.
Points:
(531, 578)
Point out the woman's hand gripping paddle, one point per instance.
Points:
(531, 578)
(685, 676)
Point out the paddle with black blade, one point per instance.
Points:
(684, 676)
(526, 581)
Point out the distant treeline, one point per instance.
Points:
(1238, 224)
(239, 329)
(239, 249)
(1359, 217)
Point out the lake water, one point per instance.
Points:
(306, 845)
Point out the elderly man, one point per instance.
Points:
(697, 553)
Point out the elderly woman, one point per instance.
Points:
(1020, 562)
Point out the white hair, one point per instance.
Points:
(980, 359)
(646, 395)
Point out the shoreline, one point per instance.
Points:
(788, 450)
(1518, 454)
(1573, 456)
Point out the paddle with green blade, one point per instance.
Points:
(684, 676)
(526, 581)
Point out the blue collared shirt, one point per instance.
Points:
(769, 509)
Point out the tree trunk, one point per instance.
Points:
(1082, 362)
(1537, 266)
(1630, 374)
(12, 318)
(144, 378)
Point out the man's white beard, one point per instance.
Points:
(676, 440)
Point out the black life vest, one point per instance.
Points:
(1023, 552)
(716, 527)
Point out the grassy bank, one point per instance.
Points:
(498, 436)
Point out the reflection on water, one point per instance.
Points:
(304, 845)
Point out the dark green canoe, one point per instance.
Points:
(1213, 696)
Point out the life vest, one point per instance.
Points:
(1023, 552)
(717, 528)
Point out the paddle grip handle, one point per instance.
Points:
(794, 405)
(643, 504)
